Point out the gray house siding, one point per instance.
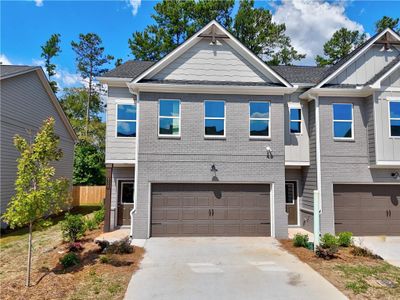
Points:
(369, 104)
(118, 148)
(188, 159)
(24, 105)
(393, 79)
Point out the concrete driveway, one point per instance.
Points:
(385, 246)
(225, 268)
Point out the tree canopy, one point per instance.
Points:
(386, 22)
(49, 50)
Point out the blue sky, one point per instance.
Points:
(26, 25)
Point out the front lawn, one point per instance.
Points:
(95, 277)
(358, 277)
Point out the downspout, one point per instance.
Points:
(318, 148)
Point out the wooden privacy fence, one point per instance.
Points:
(88, 195)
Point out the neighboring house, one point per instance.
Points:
(26, 100)
(211, 141)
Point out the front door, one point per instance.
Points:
(125, 201)
(291, 202)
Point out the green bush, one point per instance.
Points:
(73, 227)
(104, 259)
(328, 240)
(345, 239)
(99, 215)
(300, 240)
(69, 260)
(91, 224)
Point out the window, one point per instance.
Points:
(214, 118)
(394, 118)
(126, 120)
(126, 192)
(295, 120)
(169, 118)
(343, 121)
(290, 188)
(259, 119)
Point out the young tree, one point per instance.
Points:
(37, 193)
(89, 166)
(49, 50)
(386, 22)
(90, 59)
(342, 43)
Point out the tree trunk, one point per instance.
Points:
(88, 108)
(28, 274)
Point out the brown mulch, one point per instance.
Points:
(76, 282)
(330, 271)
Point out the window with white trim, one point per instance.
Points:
(126, 191)
(214, 118)
(259, 119)
(343, 121)
(394, 118)
(126, 120)
(295, 120)
(169, 118)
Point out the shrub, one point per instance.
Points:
(69, 260)
(359, 251)
(99, 215)
(345, 239)
(120, 247)
(73, 227)
(103, 244)
(300, 240)
(326, 253)
(104, 259)
(328, 240)
(91, 224)
(75, 247)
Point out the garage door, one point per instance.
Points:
(367, 209)
(210, 210)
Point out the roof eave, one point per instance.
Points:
(363, 91)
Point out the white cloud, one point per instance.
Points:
(4, 60)
(135, 4)
(310, 23)
(38, 3)
(66, 79)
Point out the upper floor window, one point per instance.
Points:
(394, 118)
(259, 119)
(214, 118)
(126, 120)
(295, 120)
(169, 118)
(343, 121)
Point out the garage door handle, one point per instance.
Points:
(155, 223)
(336, 223)
(265, 223)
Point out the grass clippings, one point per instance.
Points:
(358, 277)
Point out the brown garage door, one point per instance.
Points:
(367, 209)
(210, 210)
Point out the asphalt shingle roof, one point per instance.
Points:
(210, 82)
(301, 74)
(9, 70)
(129, 69)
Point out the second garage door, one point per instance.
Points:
(367, 209)
(210, 210)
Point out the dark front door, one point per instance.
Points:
(210, 210)
(367, 209)
(125, 201)
(291, 201)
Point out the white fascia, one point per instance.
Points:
(360, 91)
(377, 84)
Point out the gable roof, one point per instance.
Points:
(129, 69)
(10, 71)
(213, 25)
(301, 74)
(388, 68)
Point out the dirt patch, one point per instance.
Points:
(91, 279)
(357, 277)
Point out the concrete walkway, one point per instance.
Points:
(225, 268)
(386, 247)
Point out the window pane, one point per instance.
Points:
(169, 126)
(295, 114)
(295, 127)
(214, 127)
(126, 129)
(126, 112)
(214, 109)
(394, 109)
(342, 111)
(289, 194)
(127, 193)
(169, 108)
(259, 128)
(259, 109)
(342, 129)
(395, 127)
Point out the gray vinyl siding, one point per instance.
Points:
(371, 129)
(119, 173)
(24, 105)
(297, 145)
(206, 61)
(310, 173)
(388, 149)
(366, 66)
(118, 148)
(189, 159)
(393, 79)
